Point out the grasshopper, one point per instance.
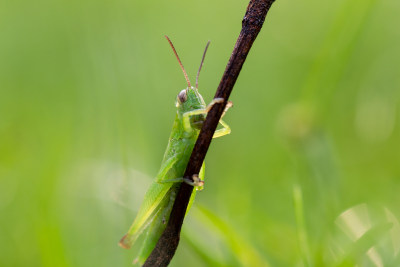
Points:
(153, 215)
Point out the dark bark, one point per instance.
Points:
(251, 26)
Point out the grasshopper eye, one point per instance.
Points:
(182, 96)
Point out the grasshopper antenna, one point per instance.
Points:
(180, 63)
(201, 64)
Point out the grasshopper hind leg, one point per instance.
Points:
(198, 188)
(196, 181)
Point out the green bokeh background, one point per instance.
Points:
(87, 92)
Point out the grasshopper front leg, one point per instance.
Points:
(218, 133)
(219, 100)
(223, 131)
(226, 129)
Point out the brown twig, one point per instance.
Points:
(251, 26)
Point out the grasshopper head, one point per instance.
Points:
(189, 99)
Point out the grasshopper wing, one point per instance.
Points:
(156, 226)
(152, 202)
(147, 212)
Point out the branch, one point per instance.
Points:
(251, 26)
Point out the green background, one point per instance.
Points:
(310, 175)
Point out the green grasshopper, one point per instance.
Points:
(153, 215)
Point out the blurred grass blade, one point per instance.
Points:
(301, 227)
(240, 249)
